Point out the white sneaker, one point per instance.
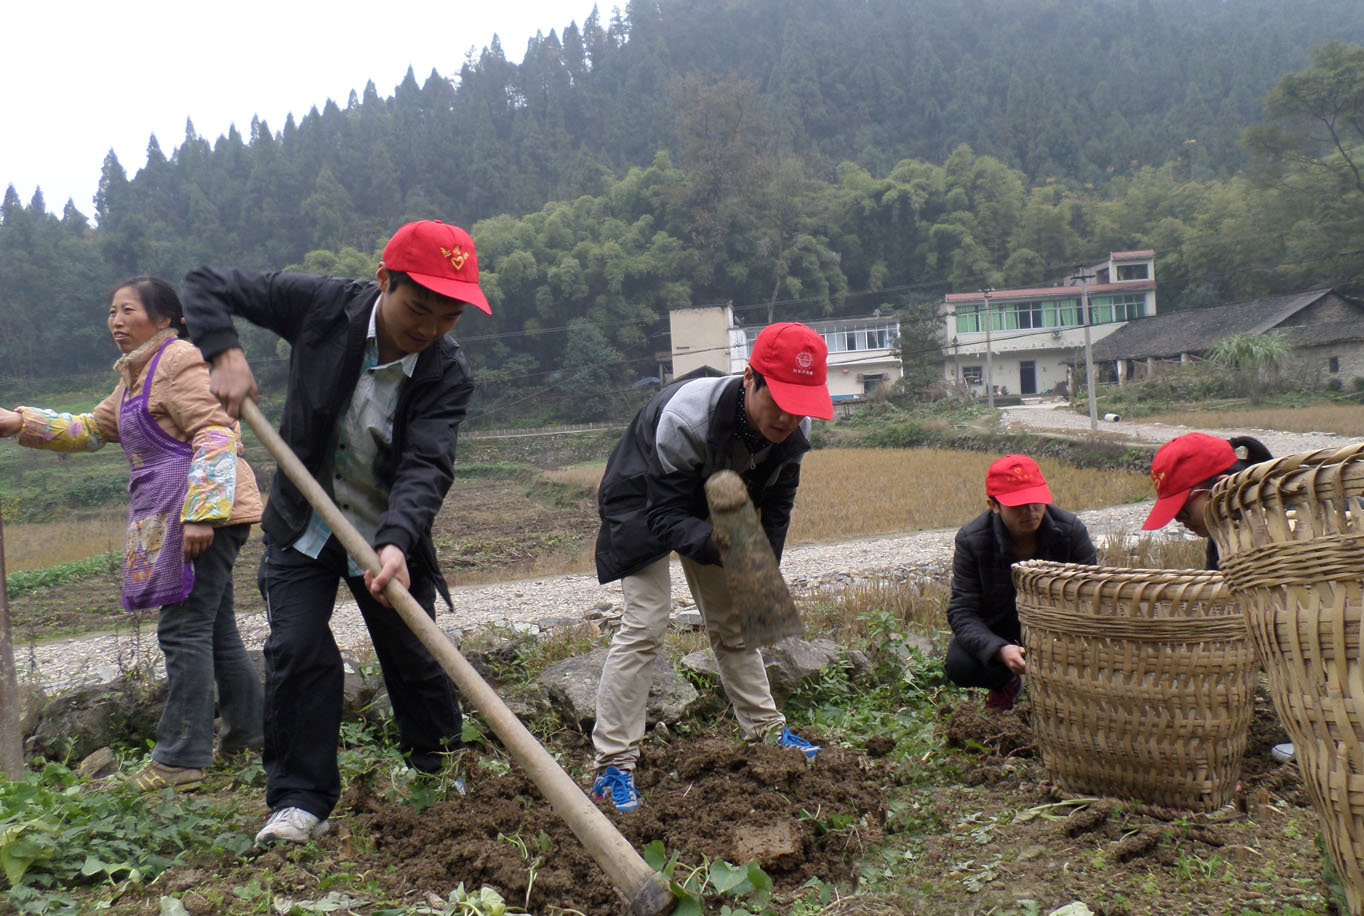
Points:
(1282, 752)
(291, 825)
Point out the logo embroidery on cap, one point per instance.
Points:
(1019, 472)
(456, 257)
(803, 363)
(1158, 479)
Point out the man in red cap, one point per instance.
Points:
(377, 390)
(1020, 523)
(652, 502)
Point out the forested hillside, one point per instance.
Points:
(795, 157)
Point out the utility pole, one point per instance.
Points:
(989, 358)
(1084, 279)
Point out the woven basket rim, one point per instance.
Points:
(1118, 572)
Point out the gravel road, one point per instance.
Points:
(528, 603)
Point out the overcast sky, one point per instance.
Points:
(80, 77)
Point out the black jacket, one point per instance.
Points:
(652, 496)
(982, 612)
(326, 320)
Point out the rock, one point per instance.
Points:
(777, 845)
(789, 663)
(495, 663)
(32, 699)
(77, 723)
(925, 644)
(691, 620)
(860, 667)
(527, 702)
(101, 763)
(572, 685)
(363, 695)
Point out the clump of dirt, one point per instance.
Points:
(1005, 733)
(710, 799)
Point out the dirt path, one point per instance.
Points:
(527, 603)
(1055, 415)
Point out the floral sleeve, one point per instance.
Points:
(212, 476)
(59, 432)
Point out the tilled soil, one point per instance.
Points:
(986, 832)
(708, 799)
(711, 799)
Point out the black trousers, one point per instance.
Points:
(965, 670)
(304, 676)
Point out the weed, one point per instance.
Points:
(746, 884)
(57, 833)
(534, 853)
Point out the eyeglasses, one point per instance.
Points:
(1184, 512)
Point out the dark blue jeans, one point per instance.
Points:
(200, 641)
(303, 678)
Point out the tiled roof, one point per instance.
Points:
(1328, 332)
(1196, 330)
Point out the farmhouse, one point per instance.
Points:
(863, 352)
(1324, 328)
(1025, 340)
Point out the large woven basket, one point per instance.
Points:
(1291, 537)
(1142, 681)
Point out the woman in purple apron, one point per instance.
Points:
(192, 499)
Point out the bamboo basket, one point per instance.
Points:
(1291, 537)
(1142, 681)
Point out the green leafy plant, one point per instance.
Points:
(31, 580)
(747, 884)
(57, 833)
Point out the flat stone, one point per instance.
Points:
(99, 764)
(690, 620)
(780, 845)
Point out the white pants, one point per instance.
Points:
(628, 672)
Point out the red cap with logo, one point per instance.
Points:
(793, 360)
(1182, 464)
(440, 257)
(1016, 480)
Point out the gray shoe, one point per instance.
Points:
(1282, 752)
(291, 825)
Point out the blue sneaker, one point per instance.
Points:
(619, 786)
(789, 738)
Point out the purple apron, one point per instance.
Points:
(154, 567)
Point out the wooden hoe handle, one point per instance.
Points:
(642, 888)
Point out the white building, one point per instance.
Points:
(863, 352)
(1035, 335)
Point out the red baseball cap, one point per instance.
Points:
(793, 359)
(1016, 480)
(1180, 465)
(440, 257)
